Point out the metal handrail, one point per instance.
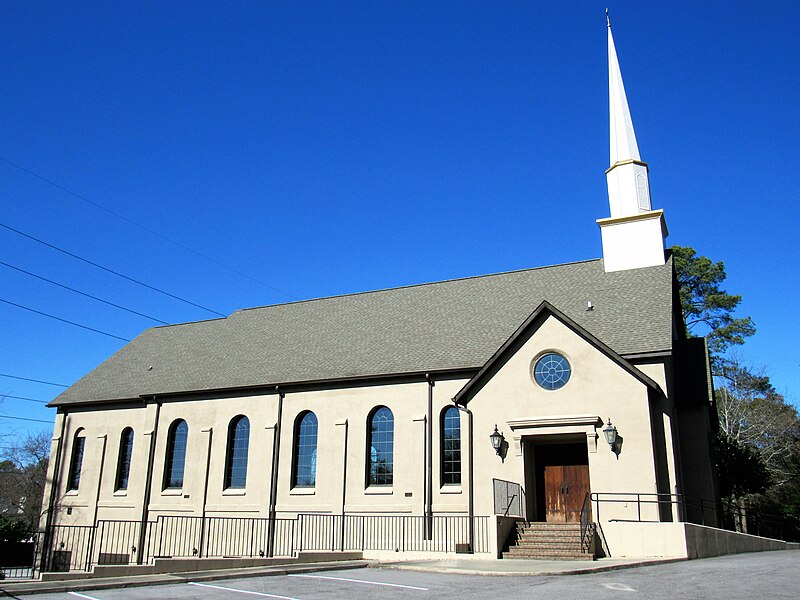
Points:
(510, 502)
(720, 514)
(587, 527)
(506, 493)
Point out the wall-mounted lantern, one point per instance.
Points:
(497, 441)
(610, 431)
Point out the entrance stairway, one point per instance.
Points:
(547, 541)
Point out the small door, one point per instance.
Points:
(565, 488)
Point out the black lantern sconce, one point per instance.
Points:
(497, 440)
(613, 438)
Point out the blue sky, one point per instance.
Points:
(331, 147)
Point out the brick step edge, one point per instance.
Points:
(545, 540)
(546, 525)
(576, 547)
(552, 534)
(548, 556)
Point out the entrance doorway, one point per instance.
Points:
(561, 481)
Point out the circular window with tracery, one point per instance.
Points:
(551, 371)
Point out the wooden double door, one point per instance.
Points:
(562, 481)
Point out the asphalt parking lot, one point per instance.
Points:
(744, 576)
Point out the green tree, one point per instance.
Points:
(741, 471)
(22, 477)
(707, 308)
(757, 451)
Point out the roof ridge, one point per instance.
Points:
(414, 285)
(187, 323)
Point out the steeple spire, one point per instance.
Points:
(628, 184)
(634, 235)
(623, 138)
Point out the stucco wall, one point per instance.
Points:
(598, 387)
(208, 420)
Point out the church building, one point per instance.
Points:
(448, 417)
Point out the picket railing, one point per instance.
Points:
(114, 542)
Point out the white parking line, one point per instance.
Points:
(408, 587)
(619, 586)
(82, 596)
(227, 589)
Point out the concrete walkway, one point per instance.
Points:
(522, 567)
(516, 567)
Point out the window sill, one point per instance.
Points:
(172, 492)
(379, 491)
(450, 489)
(234, 492)
(71, 493)
(121, 493)
(302, 491)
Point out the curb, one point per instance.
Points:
(544, 573)
(84, 585)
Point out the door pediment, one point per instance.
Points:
(554, 425)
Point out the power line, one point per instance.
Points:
(66, 287)
(38, 312)
(34, 380)
(23, 398)
(143, 227)
(117, 273)
(25, 419)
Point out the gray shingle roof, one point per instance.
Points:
(437, 326)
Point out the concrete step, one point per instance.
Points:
(549, 523)
(547, 535)
(574, 546)
(551, 541)
(546, 556)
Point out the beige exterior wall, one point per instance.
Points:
(408, 403)
(598, 389)
(340, 413)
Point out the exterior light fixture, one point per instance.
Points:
(497, 440)
(610, 431)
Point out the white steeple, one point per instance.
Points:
(634, 235)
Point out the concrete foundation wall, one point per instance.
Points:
(185, 565)
(702, 542)
(677, 540)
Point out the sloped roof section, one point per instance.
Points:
(452, 324)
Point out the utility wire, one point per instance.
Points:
(117, 273)
(143, 227)
(34, 380)
(66, 287)
(38, 312)
(23, 398)
(25, 419)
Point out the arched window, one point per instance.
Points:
(176, 454)
(451, 446)
(236, 459)
(380, 459)
(75, 465)
(304, 473)
(124, 459)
